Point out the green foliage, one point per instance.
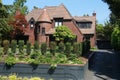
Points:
(33, 61)
(43, 48)
(21, 46)
(80, 48)
(13, 46)
(115, 38)
(10, 60)
(61, 47)
(114, 6)
(52, 48)
(36, 46)
(28, 49)
(76, 48)
(12, 77)
(3, 11)
(4, 26)
(68, 49)
(34, 55)
(104, 32)
(86, 47)
(63, 33)
(15, 77)
(20, 5)
(6, 46)
(99, 31)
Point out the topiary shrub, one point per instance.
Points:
(0, 40)
(52, 48)
(80, 48)
(28, 48)
(68, 49)
(43, 48)
(6, 46)
(36, 46)
(76, 49)
(21, 46)
(13, 46)
(61, 47)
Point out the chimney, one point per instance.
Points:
(94, 13)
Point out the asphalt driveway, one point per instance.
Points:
(104, 65)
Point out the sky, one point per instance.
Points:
(75, 7)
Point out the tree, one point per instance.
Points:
(4, 26)
(104, 32)
(19, 24)
(115, 38)
(108, 29)
(114, 6)
(63, 33)
(100, 31)
(19, 5)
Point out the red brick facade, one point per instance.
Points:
(42, 24)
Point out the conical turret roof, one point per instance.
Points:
(44, 17)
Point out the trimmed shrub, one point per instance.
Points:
(21, 46)
(0, 40)
(76, 49)
(6, 46)
(13, 46)
(68, 49)
(52, 48)
(43, 48)
(36, 46)
(80, 48)
(28, 49)
(61, 47)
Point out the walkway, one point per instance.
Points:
(104, 65)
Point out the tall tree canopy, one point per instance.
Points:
(4, 26)
(114, 6)
(19, 5)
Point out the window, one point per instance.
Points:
(43, 31)
(38, 29)
(84, 24)
(31, 22)
(58, 22)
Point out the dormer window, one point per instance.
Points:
(58, 22)
(32, 21)
(84, 25)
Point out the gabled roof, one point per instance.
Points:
(87, 19)
(58, 11)
(53, 12)
(44, 17)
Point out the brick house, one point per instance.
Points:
(42, 23)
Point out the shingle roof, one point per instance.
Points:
(35, 13)
(58, 11)
(44, 16)
(53, 12)
(87, 19)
